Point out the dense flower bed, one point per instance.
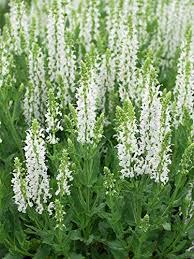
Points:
(97, 129)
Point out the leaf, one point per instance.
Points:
(186, 255)
(75, 235)
(9, 256)
(180, 246)
(42, 252)
(76, 256)
(167, 226)
(117, 249)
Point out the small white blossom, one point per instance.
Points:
(19, 21)
(37, 179)
(127, 61)
(154, 148)
(64, 179)
(7, 64)
(51, 42)
(64, 176)
(51, 207)
(86, 108)
(19, 186)
(59, 214)
(184, 87)
(15, 23)
(36, 91)
(173, 17)
(53, 118)
(61, 57)
(109, 182)
(24, 23)
(145, 148)
(90, 23)
(127, 147)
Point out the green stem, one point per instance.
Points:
(15, 134)
(155, 199)
(16, 249)
(87, 196)
(179, 236)
(138, 250)
(172, 197)
(11, 128)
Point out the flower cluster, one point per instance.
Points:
(7, 66)
(54, 56)
(127, 75)
(127, 140)
(63, 179)
(97, 86)
(109, 182)
(87, 95)
(19, 24)
(37, 179)
(90, 23)
(145, 148)
(170, 33)
(64, 176)
(155, 131)
(61, 57)
(123, 44)
(36, 91)
(184, 88)
(19, 186)
(31, 186)
(53, 118)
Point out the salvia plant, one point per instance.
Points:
(97, 129)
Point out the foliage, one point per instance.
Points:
(97, 129)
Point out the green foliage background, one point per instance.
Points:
(108, 219)
(3, 10)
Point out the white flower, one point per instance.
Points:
(127, 147)
(51, 43)
(51, 207)
(154, 145)
(15, 24)
(86, 108)
(174, 17)
(59, 214)
(64, 176)
(127, 61)
(37, 179)
(61, 57)
(7, 64)
(64, 179)
(154, 141)
(24, 23)
(145, 148)
(184, 87)
(19, 21)
(109, 182)
(123, 45)
(53, 118)
(190, 93)
(36, 91)
(19, 187)
(90, 23)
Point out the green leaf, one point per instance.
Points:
(76, 256)
(117, 249)
(75, 235)
(167, 226)
(42, 252)
(9, 256)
